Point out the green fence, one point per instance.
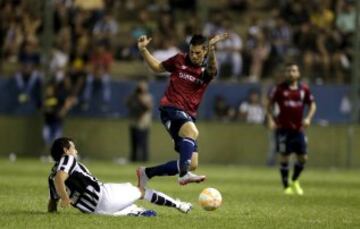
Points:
(224, 143)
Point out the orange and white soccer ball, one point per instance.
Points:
(210, 199)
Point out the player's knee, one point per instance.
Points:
(195, 134)
(189, 130)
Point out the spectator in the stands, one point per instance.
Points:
(97, 91)
(25, 87)
(222, 110)
(229, 51)
(252, 110)
(106, 29)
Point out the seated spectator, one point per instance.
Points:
(141, 27)
(346, 17)
(102, 58)
(166, 24)
(222, 110)
(25, 87)
(229, 51)
(58, 63)
(281, 38)
(13, 38)
(307, 42)
(97, 91)
(106, 29)
(252, 110)
(321, 16)
(259, 50)
(29, 54)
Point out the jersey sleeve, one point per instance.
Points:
(169, 64)
(67, 164)
(83, 167)
(274, 95)
(309, 98)
(207, 77)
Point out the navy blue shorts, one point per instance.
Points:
(173, 118)
(291, 141)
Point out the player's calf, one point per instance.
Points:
(142, 178)
(162, 199)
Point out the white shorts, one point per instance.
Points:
(118, 199)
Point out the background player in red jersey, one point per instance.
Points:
(291, 96)
(191, 73)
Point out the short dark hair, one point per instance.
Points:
(57, 148)
(198, 39)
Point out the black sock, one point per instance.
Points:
(169, 168)
(284, 171)
(298, 168)
(159, 198)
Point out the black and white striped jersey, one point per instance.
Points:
(82, 187)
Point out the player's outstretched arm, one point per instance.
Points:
(212, 64)
(60, 179)
(310, 114)
(151, 61)
(269, 116)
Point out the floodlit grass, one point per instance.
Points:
(252, 199)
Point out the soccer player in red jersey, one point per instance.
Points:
(190, 75)
(291, 96)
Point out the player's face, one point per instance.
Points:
(292, 73)
(72, 150)
(197, 54)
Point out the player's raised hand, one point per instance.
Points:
(143, 41)
(217, 38)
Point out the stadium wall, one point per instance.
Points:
(223, 143)
(333, 100)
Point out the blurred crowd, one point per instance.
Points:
(91, 35)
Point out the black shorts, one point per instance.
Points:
(173, 118)
(291, 141)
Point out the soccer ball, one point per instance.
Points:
(210, 199)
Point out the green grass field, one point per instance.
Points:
(252, 199)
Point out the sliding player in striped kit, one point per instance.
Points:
(72, 184)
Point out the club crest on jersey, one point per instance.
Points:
(183, 67)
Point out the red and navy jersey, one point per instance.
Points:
(291, 104)
(187, 85)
